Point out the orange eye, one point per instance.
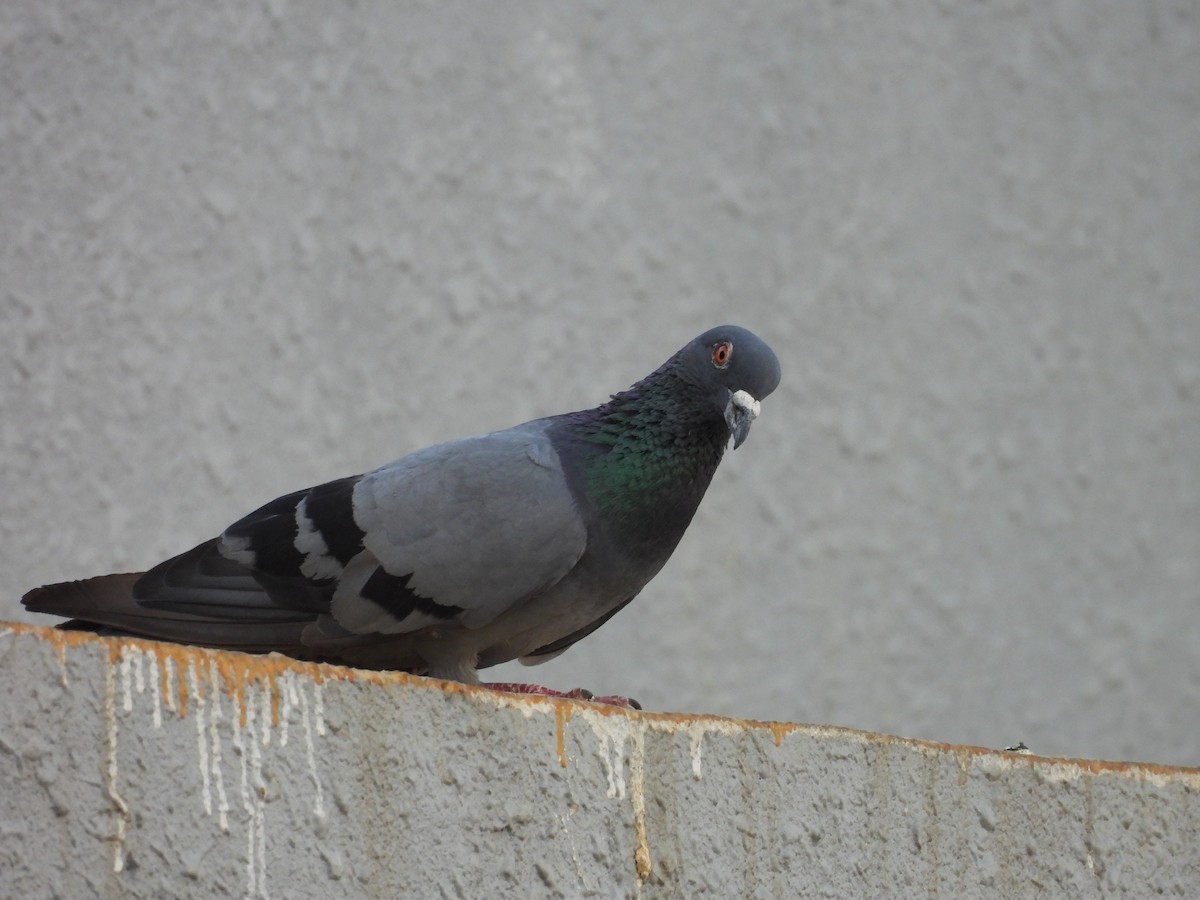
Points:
(721, 354)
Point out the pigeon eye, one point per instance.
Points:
(721, 354)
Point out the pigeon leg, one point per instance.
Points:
(516, 687)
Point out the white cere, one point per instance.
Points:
(748, 403)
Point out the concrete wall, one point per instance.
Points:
(249, 247)
(134, 769)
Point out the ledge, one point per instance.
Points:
(136, 768)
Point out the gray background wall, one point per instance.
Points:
(246, 249)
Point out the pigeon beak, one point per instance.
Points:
(740, 412)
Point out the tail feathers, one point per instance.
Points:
(106, 604)
(209, 617)
(197, 597)
(85, 599)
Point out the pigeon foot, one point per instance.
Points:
(516, 687)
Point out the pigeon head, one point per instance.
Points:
(736, 370)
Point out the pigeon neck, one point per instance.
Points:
(656, 447)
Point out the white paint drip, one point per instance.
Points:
(126, 679)
(156, 700)
(310, 751)
(62, 670)
(169, 667)
(611, 733)
(696, 733)
(565, 822)
(239, 746)
(133, 678)
(260, 789)
(110, 781)
(264, 699)
(252, 795)
(319, 707)
(287, 699)
(214, 735)
(139, 674)
(201, 738)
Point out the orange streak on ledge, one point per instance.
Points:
(562, 715)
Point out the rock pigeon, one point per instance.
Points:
(509, 545)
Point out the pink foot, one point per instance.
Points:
(515, 687)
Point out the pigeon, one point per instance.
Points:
(510, 545)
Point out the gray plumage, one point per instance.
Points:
(510, 545)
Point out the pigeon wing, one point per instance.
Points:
(460, 531)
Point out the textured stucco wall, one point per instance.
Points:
(247, 248)
(142, 770)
